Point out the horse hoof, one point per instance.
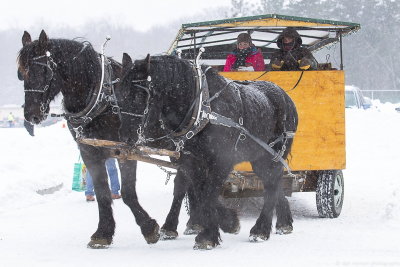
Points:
(168, 234)
(193, 229)
(204, 245)
(284, 230)
(153, 237)
(99, 243)
(254, 238)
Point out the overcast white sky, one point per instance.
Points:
(140, 14)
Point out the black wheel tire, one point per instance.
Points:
(330, 193)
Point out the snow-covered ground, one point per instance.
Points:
(53, 230)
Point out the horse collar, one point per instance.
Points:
(201, 103)
(99, 101)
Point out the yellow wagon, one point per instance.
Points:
(318, 154)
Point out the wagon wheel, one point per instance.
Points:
(330, 193)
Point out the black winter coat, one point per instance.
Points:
(291, 58)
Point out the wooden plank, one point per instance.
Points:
(134, 149)
(319, 143)
(123, 151)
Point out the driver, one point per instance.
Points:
(291, 56)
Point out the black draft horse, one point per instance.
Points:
(74, 69)
(160, 93)
(49, 66)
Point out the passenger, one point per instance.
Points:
(114, 181)
(245, 56)
(291, 56)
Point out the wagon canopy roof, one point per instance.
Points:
(218, 37)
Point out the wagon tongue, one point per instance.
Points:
(29, 127)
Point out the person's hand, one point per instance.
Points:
(304, 63)
(277, 64)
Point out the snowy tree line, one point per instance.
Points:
(371, 56)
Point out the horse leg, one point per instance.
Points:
(284, 218)
(193, 226)
(228, 219)
(148, 226)
(103, 236)
(168, 230)
(270, 172)
(229, 222)
(182, 187)
(207, 192)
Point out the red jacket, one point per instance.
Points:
(256, 60)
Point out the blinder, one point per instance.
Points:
(50, 66)
(148, 88)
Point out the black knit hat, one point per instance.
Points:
(244, 37)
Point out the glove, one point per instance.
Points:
(304, 63)
(277, 64)
(245, 68)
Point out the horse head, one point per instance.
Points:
(133, 96)
(37, 68)
(155, 95)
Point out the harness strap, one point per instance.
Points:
(218, 119)
(49, 62)
(196, 124)
(201, 84)
(100, 100)
(97, 102)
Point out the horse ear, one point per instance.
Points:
(147, 60)
(26, 38)
(126, 61)
(43, 41)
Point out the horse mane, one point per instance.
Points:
(62, 50)
(173, 72)
(173, 80)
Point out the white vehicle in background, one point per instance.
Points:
(355, 99)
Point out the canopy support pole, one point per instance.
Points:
(341, 50)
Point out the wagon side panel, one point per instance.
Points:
(319, 97)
